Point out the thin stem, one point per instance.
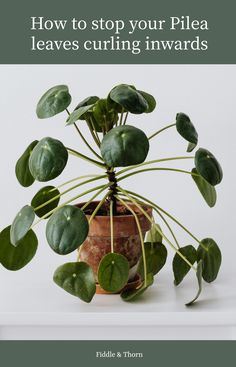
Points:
(111, 226)
(94, 196)
(158, 230)
(67, 202)
(98, 207)
(68, 190)
(159, 131)
(152, 162)
(121, 117)
(80, 155)
(170, 216)
(92, 133)
(72, 180)
(125, 118)
(157, 169)
(140, 235)
(85, 141)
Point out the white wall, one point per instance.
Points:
(206, 93)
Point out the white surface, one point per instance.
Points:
(31, 306)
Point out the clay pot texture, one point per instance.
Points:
(126, 237)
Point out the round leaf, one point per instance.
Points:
(210, 255)
(133, 294)
(180, 267)
(124, 146)
(208, 192)
(153, 235)
(22, 170)
(48, 159)
(199, 280)
(150, 101)
(129, 98)
(77, 114)
(208, 166)
(156, 255)
(103, 117)
(45, 194)
(15, 258)
(76, 278)
(187, 130)
(67, 229)
(113, 272)
(21, 224)
(86, 102)
(54, 101)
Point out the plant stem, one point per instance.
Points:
(141, 238)
(80, 155)
(121, 117)
(157, 169)
(72, 180)
(92, 133)
(98, 207)
(158, 230)
(94, 196)
(68, 190)
(153, 161)
(85, 141)
(111, 226)
(170, 216)
(126, 116)
(67, 202)
(159, 131)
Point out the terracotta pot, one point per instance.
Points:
(126, 237)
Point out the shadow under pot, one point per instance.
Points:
(126, 238)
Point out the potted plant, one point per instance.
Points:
(120, 246)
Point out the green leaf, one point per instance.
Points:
(156, 255)
(153, 235)
(210, 255)
(208, 166)
(129, 98)
(67, 229)
(48, 159)
(103, 117)
(133, 294)
(42, 196)
(86, 102)
(22, 170)
(124, 146)
(54, 101)
(21, 224)
(199, 279)
(15, 258)
(180, 267)
(77, 114)
(113, 272)
(208, 192)
(187, 130)
(76, 278)
(150, 101)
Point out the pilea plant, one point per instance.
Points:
(114, 256)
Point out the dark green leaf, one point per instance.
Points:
(150, 101)
(210, 255)
(21, 224)
(208, 166)
(113, 272)
(180, 267)
(22, 167)
(153, 235)
(199, 279)
(67, 229)
(15, 258)
(42, 196)
(133, 294)
(48, 159)
(77, 114)
(208, 192)
(124, 146)
(187, 130)
(129, 98)
(104, 118)
(156, 255)
(76, 278)
(54, 101)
